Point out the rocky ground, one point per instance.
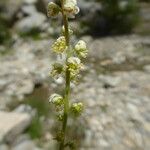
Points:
(117, 97)
(114, 87)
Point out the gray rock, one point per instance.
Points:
(4, 147)
(35, 21)
(145, 13)
(25, 109)
(117, 117)
(109, 80)
(11, 8)
(12, 124)
(21, 71)
(2, 49)
(52, 145)
(26, 145)
(89, 7)
(20, 139)
(147, 68)
(117, 48)
(28, 10)
(29, 2)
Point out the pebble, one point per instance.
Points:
(26, 145)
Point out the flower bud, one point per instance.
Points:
(77, 109)
(59, 136)
(56, 99)
(74, 65)
(56, 70)
(81, 49)
(60, 117)
(74, 62)
(60, 45)
(52, 9)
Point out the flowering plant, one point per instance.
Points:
(69, 69)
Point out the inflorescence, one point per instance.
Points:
(73, 59)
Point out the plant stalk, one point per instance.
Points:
(67, 76)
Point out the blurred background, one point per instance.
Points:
(114, 87)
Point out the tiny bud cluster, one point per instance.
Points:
(70, 9)
(60, 45)
(81, 49)
(57, 69)
(56, 99)
(60, 117)
(74, 65)
(77, 109)
(53, 9)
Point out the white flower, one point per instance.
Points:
(60, 45)
(56, 99)
(71, 8)
(74, 61)
(81, 49)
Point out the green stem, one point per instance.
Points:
(67, 74)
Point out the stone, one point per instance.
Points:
(26, 145)
(133, 110)
(20, 139)
(35, 21)
(117, 49)
(12, 124)
(103, 143)
(147, 68)
(23, 108)
(28, 10)
(4, 147)
(126, 110)
(52, 144)
(145, 13)
(29, 2)
(59, 81)
(21, 71)
(90, 7)
(110, 81)
(10, 8)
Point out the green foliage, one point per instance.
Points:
(35, 130)
(115, 17)
(33, 33)
(37, 101)
(144, 0)
(6, 51)
(121, 15)
(4, 31)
